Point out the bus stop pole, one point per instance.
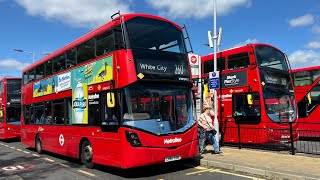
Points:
(215, 122)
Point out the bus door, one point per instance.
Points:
(107, 140)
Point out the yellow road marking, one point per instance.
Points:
(19, 150)
(87, 173)
(47, 159)
(36, 155)
(203, 169)
(26, 152)
(64, 165)
(197, 172)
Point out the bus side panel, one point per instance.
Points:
(2, 130)
(28, 135)
(13, 131)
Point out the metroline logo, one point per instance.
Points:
(170, 141)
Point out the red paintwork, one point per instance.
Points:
(7, 131)
(266, 130)
(310, 125)
(109, 148)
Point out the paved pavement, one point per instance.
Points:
(271, 165)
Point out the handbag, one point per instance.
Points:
(212, 131)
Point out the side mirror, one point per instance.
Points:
(249, 99)
(110, 100)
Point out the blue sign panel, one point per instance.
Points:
(214, 80)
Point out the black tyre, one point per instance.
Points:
(87, 154)
(38, 145)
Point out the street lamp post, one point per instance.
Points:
(33, 53)
(22, 51)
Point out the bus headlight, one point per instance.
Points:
(133, 139)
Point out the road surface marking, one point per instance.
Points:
(12, 147)
(1, 143)
(19, 150)
(197, 172)
(6, 145)
(87, 173)
(47, 159)
(239, 175)
(64, 165)
(36, 155)
(26, 152)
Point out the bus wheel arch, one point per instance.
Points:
(86, 153)
(38, 144)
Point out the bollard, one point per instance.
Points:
(291, 139)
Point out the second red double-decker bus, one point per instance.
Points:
(307, 92)
(118, 96)
(256, 93)
(10, 107)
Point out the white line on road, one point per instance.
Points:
(87, 173)
(26, 152)
(47, 159)
(64, 165)
(36, 155)
(19, 150)
(12, 147)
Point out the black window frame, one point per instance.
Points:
(208, 66)
(251, 118)
(237, 59)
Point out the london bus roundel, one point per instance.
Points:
(193, 59)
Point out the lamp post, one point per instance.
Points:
(33, 53)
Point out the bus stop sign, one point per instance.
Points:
(214, 80)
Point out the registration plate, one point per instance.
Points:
(172, 158)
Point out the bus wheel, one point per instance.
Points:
(87, 155)
(38, 144)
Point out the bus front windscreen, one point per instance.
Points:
(151, 34)
(270, 57)
(159, 109)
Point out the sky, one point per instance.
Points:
(43, 26)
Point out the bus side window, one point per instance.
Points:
(105, 43)
(94, 109)
(237, 61)
(243, 112)
(71, 58)
(59, 110)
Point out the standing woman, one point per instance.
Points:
(206, 129)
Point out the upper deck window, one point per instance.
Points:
(59, 63)
(1, 87)
(40, 71)
(305, 78)
(237, 61)
(154, 34)
(85, 51)
(209, 65)
(271, 58)
(105, 43)
(14, 86)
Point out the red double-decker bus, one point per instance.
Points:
(119, 96)
(10, 107)
(256, 93)
(307, 92)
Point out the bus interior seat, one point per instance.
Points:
(134, 116)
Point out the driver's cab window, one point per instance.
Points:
(110, 115)
(246, 108)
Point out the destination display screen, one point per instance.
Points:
(161, 65)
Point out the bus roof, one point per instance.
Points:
(10, 78)
(305, 69)
(233, 50)
(95, 32)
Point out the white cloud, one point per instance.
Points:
(248, 41)
(12, 64)
(195, 8)
(314, 45)
(304, 58)
(79, 13)
(302, 20)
